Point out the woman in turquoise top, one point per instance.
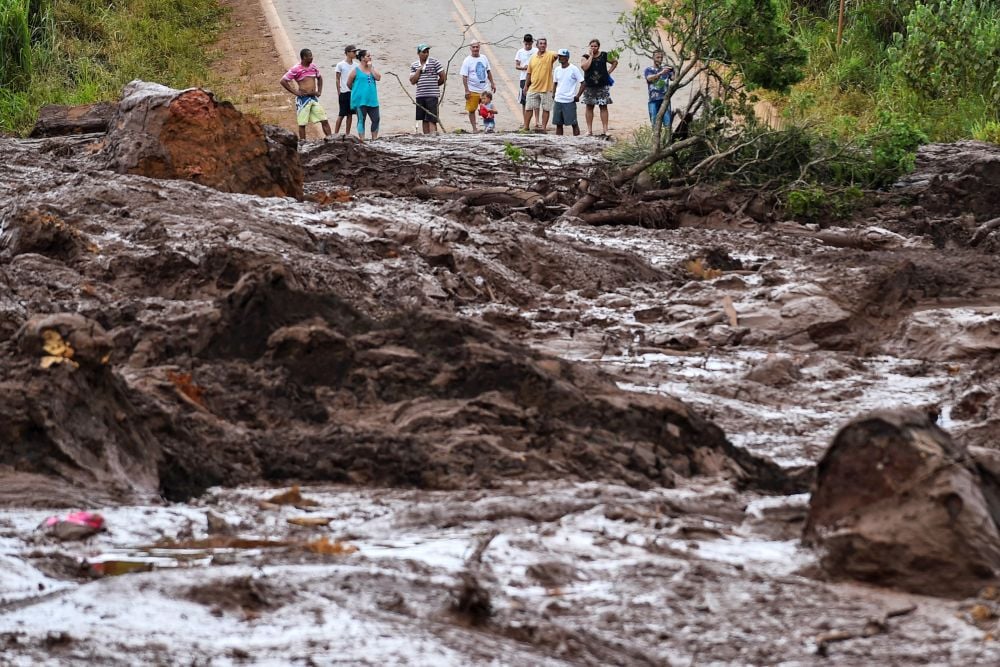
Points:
(364, 95)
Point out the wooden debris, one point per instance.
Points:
(872, 628)
(309, 521)
(503, 196)
(58, 120)
(293, 497)
(727, 305)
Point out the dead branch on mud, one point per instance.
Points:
(588, 199)
(983, 231)
(872, 628)
(716, 121)
(502, 196)
(418, 104)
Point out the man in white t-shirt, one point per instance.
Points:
(521, 65)
(476, 76)
(569, 86)
(344, 68)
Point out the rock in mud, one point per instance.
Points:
(898, 503)
(189, 135)
(962, 176)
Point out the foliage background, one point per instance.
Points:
(81, 51)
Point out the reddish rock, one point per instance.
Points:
(189, 135)
(898, 503)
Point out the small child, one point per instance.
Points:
(487, 111)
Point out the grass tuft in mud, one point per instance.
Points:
(82, 51)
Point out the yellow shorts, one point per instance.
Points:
(312, 112)
(472, 104)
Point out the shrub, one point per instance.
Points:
(892, 142)
(950, 49)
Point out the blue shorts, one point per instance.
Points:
(564, 113)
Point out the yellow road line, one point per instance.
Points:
(510, 92)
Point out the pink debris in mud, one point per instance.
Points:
(73, 526)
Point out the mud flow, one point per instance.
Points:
(517, 436)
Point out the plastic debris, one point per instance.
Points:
(74, 526)
(115, 568)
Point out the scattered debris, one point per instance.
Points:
(327, 548)
(292, 496)
(73, 526)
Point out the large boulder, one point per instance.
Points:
(898, 503)
(189, 135)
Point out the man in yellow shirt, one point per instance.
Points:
(539, 85)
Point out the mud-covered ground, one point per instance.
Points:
(496, 395)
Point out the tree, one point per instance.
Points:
(719, 50)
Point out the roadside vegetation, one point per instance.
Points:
(82, 51)
(854, 99)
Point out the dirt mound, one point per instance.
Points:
(230, 339)
(961, 176)
(63, 412)
(898, 503)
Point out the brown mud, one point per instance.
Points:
(158, 338)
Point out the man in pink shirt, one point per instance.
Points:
(309, 87)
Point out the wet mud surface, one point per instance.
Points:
(562, 443)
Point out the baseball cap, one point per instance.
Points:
(528, 37)
(422, 47)
(564, 52)
(349, 48)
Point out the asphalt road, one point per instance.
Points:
(391, 29)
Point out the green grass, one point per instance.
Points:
(15, 44)
(87, 50)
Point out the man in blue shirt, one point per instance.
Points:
(657, 79)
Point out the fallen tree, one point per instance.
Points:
(717, 51)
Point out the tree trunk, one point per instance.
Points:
(655, 215)
(55, 120)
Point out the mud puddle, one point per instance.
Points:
(578, 573)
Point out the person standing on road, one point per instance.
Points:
(521, 65)
(597, 91)
(476, 75)
(657, 79)
(539, 85)
(344, 68)
(309, 86)
(428, 75)
(364, 93)
(569, 81)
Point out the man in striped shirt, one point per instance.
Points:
(428, 75)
